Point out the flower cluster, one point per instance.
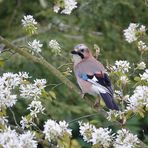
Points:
(32, 91)
(29, 23)
(125, 139)
(86, 131)
(35, 46)
(124, 80)
(113, 115)
(97, 136)
(54, 130)
(35, 107)
(26, 122)
(141, 65)
(122, 66)
(54, 45)
(142, 46)
(139, 99)
(69, 5)
(3, 121)
(8, 82)
(104, 137)
(133, 31)
(144, 76)
(10, 138)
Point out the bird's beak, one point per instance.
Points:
(74, 52)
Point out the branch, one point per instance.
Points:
(42, 61)
(57, 73)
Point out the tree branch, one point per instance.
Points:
(42, 61)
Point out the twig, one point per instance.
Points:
(14, 117)
(86, 116)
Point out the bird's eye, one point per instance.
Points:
(82, 50)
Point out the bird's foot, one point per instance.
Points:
(82, 95)
(97, 103)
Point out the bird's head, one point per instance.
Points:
(80, 52)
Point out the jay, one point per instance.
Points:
(91, 76)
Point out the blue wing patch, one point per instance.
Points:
(84, 76)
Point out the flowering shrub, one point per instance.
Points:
(131, 92)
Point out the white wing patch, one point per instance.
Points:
(94, 79)
(96, 87)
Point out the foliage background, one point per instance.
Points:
(94, 22)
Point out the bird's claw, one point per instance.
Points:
(97, 103)
(82, 95)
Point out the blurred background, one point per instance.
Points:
(94, 22)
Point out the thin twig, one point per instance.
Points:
(13, 114)
(86, 116)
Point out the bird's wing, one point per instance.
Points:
(99, 79)
(101, 85)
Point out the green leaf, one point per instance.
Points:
(52, 94)
(137, 79)
(2, 63)
(64, 141)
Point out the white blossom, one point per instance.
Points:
(28, 20)
(125, 139)
(3, 121)
(69, 6)
(27, 140)
(29, 24)
(55, 46)
(64, 128)
(29, 91)
(24, 122)
(53, 130)
(35, 107)
(11, 80)
(138, 99)
(35, 46)
(130, 32)
(86, 131)
(141, 66)
(124, 80)
(33, 91)
(6, 97)
(133, 32)
(114, 114)
(102, 137)
(144, 76)
(142, 29)
(11, 139)
(8, 82)
(122, 66)
(142, 46)
(56, 8)
(40, 83)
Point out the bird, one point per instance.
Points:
(92, 76)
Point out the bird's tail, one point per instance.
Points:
(109, 101)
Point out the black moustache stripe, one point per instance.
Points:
(78, 53)
(81, 55)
